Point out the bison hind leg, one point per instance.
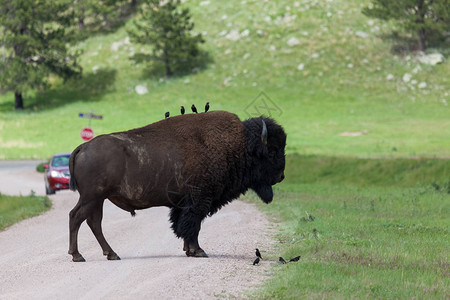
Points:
(112, 256)
(94, 221)
(76, 217)
(77, 257)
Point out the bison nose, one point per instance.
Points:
(281, 177)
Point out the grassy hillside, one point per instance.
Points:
(399, 172)
(322, 63)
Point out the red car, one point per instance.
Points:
(57, 173)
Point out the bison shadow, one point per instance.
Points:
(181, 255)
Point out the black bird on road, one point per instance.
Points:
(167, 114)
(281, 260)
(258, 253)
(256, 261)
(207, 107)
(182, 110)
(295, 258)
(194, 109)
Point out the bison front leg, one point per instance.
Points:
(192, 248)
(186, 223)
(190, 228)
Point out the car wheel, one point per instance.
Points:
(49, 191)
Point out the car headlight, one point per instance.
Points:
(56, 174)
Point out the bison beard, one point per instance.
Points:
(194, 164)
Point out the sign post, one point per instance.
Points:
(87, 134)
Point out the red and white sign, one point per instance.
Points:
(87, 134)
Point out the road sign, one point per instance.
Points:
(87, 134)
(90, 116)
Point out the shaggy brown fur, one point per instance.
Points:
(193, 163)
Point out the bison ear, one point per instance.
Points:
(264, 132)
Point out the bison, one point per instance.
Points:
(194, 164)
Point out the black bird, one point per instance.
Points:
(167, 114)
(295, 258)
(182, 110)
(194, 109)
(281, 260)
(257, 253)
(256, 261)
(207, 107)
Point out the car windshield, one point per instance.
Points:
(60, 161)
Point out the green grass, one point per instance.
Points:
(387, 172)
(360, 243)
(342, 88)
(16, 208)
(365, 228)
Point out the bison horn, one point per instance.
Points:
(264, 133)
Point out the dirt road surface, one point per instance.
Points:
(34, 263)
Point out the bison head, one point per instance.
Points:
(266, 141)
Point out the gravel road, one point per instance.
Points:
(34, 263)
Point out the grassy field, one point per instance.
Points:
(365, 200)
(16, 208)
(333, 82)
(388, 243)
(364, 229)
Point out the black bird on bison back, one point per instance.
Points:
(207, 107)
(258, 254)
(166, 115)
(167, 164)
(182, 110)
(194, 109)
(256, 261)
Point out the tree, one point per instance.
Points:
(168, 28)
(424, 18)
(100, 14)
(35, 39)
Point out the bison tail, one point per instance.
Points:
(73, 182)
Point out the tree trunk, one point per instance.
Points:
(81, 16)
(80, 23)
(18, 48)
(133, 3)
(421, 35)
(18, 104)
(166, 63)
(421, 39)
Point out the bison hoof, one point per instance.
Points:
(78, 258)
(113, 256)
(196, 253)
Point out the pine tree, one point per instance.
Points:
(100, 14)
(424, 18)
(168, 29)
(35, 41)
